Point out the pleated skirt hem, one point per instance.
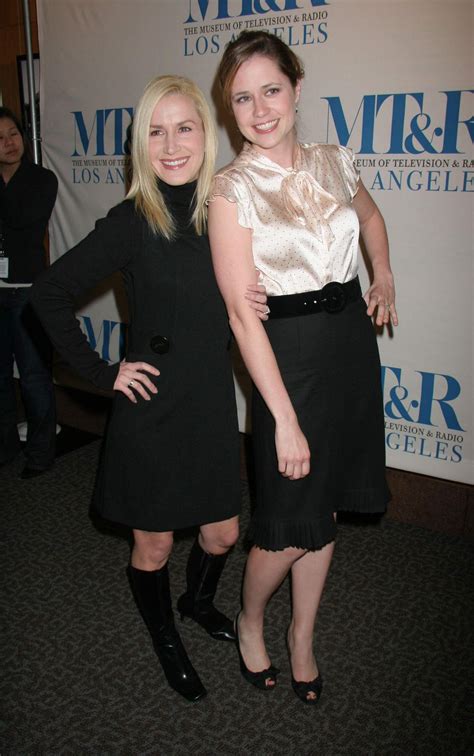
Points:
(276, 535)
(273, 534)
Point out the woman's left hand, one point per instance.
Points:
(256, 295)
(381, 297)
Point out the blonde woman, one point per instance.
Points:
(170, 458)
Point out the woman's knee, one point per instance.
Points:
(151, 550)
(219, 537)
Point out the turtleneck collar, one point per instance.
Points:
(180, 201)
(181, 195)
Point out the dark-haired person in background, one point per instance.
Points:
(27, 196)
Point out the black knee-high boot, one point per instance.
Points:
(202, 574)
(152, 594)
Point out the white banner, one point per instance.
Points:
(390, 79)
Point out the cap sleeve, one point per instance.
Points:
(233, 191)
(350, 171)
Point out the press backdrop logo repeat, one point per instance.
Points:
(422, 415)
(107, 337)
(412, 141)
(100, 145)
(210, 24)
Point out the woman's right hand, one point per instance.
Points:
(292, 450)
(131, 378)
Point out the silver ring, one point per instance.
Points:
(131, 384)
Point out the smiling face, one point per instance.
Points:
(11, 146)
(176, 140)
(263, 102)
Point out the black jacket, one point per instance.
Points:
(26, 204)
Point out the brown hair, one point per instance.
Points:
(250, 43)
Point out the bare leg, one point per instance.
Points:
(151, 550)
(308, 576)
(219, 537)
(264, 572)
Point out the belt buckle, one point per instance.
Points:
(333, 297)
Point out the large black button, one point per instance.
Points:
(160, 344)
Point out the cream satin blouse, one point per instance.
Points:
(305, 231)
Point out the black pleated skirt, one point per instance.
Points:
(331, 368)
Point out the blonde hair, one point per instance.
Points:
(144, 188)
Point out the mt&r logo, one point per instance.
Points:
(100, 145)
(412, 130)
(297, 22)
(420, 414)
(224, 8)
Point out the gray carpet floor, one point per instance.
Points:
(79, 676)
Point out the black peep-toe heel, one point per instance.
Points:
(258, 679)
(303, 689)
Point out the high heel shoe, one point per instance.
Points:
(152, 595)
(203, 572)
(303, 689)
(258, 679)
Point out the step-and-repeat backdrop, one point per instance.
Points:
(390, 79)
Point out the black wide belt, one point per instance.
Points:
(332, 298)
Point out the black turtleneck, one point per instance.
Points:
(180, 201)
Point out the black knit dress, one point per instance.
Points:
(172, 462)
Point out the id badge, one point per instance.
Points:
(3, 267)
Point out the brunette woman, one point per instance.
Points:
(294, 211)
